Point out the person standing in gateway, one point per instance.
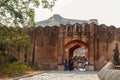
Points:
(85, 63)
(71, 64)
(66, 64)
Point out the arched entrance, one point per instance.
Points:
(70, 48)
(79, 52)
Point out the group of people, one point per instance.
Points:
(75, 63)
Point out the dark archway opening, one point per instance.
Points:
(71, 51)
(72, 46)
(78, 51)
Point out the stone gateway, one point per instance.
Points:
(52, 45)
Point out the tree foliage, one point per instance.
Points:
(12, 41)
(21, 12)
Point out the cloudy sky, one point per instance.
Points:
(105, 11)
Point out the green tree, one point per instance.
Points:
(12, 41)
(21, 12)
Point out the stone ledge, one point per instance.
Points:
(109, 73)
(61, 67)
(90, 68)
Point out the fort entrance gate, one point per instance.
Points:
(54, 44)
(70, 47)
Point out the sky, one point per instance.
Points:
(105, 11)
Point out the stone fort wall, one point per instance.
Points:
(49, 43)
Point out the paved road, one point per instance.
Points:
(64, 75)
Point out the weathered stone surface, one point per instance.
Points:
(61, 75)
(52, 45)
(101, 62)
(56, 20)
(108, 73)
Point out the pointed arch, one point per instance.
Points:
(73, 45)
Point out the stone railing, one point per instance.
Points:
(109, 73)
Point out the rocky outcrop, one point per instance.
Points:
(108, 72)
(56, 20)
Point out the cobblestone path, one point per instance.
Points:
(64, 75)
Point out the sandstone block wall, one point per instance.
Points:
(51, 45)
